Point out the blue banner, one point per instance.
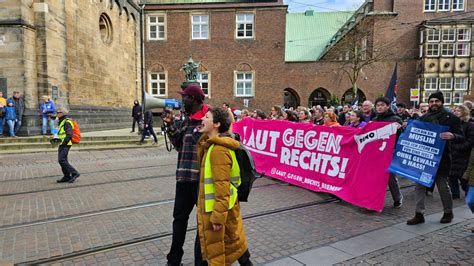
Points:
(418, 152)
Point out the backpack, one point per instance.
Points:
(76, 133)
(248, 173)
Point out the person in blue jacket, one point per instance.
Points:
(48, 113)
(10, 117)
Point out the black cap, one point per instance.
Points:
(383, 99)
(438, 95)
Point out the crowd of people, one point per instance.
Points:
(11, 113)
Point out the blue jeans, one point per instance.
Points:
(11, 126)
(45, 125)
(1, 125)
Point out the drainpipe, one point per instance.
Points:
(142, 54)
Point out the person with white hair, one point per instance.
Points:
(65, 128)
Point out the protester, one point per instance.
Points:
(48, 113)
(470, 106)
(10, 117)
(221, 233)
(341, 119)
(368, 111)
(259, 115)
(244, 113)
(148, 128)
(291, 116)
(70, 174)
(357, 119)
(385, 114)
(318, 116)
(330, 119)
(303, 115)
(184, 135)
(461, 152)
(136, 115)
(437, 114)
(402, 111)
(276, 113)
(3, 103)
(19, 109)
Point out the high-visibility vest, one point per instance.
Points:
(209, 189)
(62, 133)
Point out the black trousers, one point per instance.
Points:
(151, 131)
(67, 168)
(185, 200)
(135, 120)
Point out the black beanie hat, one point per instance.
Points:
(383, 99)
(438, 95)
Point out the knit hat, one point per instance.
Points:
(438, 95)
(193, 90)
(383, 99)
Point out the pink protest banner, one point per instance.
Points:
(347, 162)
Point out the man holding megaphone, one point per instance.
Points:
(184, 134)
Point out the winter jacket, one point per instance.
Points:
(19, 106)
(136, 111)
(225, 246)
(10, 113)
(461, 151)
(389, 116)
(148, 120)
(47, 108)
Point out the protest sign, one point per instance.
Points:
(347, 162)
(418, 152)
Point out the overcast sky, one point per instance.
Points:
(322, 5)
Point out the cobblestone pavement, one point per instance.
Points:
(125, 195)
(452, 245)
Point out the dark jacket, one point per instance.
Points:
(389, 116)
(341, 119)
(148, 120)
(446, 118)
(19, 106)
(10, 111)
(67, 130)
(319, 122)
(368, 118)
(461, 151)
(136, 111)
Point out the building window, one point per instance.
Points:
(203, 80)
(421, 51)
(158, 84)
(445, 84)
(200, 27)
(464, 35)
(448, 95)
(432, 35)
(156, 28)
(243, 84)
(463, 49)
(449, 35)
(447, 49)
(430, 5)
(244, 24)
(458, 5)
(432, 49)
(460, 84)
(431, 84)
(458, 97)
(444, 5)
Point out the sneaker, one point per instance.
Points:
(447, 218)
(74, 177)
(418, 219)
(64, 179)
(398, 203)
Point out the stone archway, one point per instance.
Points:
(319, 96)
(290, 98)
(348, 97)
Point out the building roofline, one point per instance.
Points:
(149, 7)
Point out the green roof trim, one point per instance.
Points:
(307, 34)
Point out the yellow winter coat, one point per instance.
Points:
(225, 246)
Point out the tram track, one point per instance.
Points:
(158, 236)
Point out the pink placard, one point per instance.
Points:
(347, 162)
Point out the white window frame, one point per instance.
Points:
(460, 84)
(201, 81)
(433, 35)
(422, 35)
(426, 95)
(444, 5)
(429, 81)
(244, 81)
(466, 49)
(448, 49)
(157, 25)
(458, 5)
(431, 51)
(158, 81)
(201, 25)
(458, 97)
(429, 6)
(445, 84)
(449, 35)
(244, 22)
(448, 97)
(421, 51)
(464, 35)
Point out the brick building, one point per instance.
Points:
(254, 52)
(83, 54)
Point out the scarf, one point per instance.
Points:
(433, 116)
